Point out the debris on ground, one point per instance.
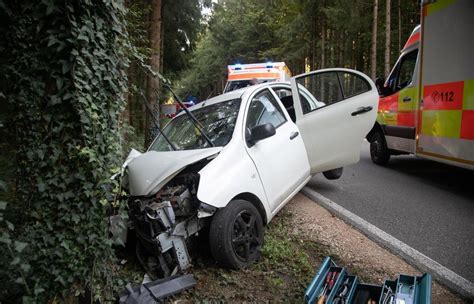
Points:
(158, 290)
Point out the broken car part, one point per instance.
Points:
(163, 223)
(156, 291)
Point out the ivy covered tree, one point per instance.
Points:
(63, 75)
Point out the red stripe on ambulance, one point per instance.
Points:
(406, 119)
(413, 39)
(467, 124)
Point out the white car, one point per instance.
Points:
(257, 148)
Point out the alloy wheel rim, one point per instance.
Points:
(245, 235)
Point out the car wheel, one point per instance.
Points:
(333, 174)
(236, 235)
(379, 152)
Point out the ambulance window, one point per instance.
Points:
(403, 74)
(407, 68)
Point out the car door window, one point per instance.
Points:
(402, 75)
(286, 98)
(323, 89)
(265, 109)
(352, 84)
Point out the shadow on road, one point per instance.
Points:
(439, 175)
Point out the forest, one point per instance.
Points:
(76, 77)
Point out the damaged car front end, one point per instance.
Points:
(164, 209)
(162, 186)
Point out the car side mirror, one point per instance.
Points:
(380, 85)
(258, 133)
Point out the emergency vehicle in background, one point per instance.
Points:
(244, 75)
(427, 102)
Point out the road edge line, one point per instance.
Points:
(442, 274)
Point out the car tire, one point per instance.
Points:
(379, 152)
(236, 235)
(334, 173)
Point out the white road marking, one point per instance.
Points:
(439, 272)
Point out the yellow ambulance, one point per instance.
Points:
(426, 105)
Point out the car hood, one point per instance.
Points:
(149, 172)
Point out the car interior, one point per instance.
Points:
(287, 102)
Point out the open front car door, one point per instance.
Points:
(335, 109)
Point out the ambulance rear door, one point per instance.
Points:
(445, 130)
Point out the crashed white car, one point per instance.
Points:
(242, 158)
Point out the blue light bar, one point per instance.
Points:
(269, 65)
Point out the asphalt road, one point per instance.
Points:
(427, 205)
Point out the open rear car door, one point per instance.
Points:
(335, 109)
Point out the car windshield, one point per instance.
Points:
(217, 120)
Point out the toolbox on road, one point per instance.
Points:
(332, 284)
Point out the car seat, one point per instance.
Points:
(287, 102)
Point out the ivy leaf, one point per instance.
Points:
(3, 186)
(83, 37)
(64, 245)
(3, 205)
(50, 8)
(41, 187)
(60, 279)
(66, 67)
(38, 290)
(5, 239)
(19, 246)
(25, 267)
(59, 83)
(52, 40)
(10, 226)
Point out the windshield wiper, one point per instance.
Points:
(193, 119)
(150, 112)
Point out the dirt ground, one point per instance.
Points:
(296, 242)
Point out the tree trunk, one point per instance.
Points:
(313, 43)
(341, 49)
(399, 27)
(331, 42)
(155, 60)
(373, 52)
(387, 38)
(323, 42)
